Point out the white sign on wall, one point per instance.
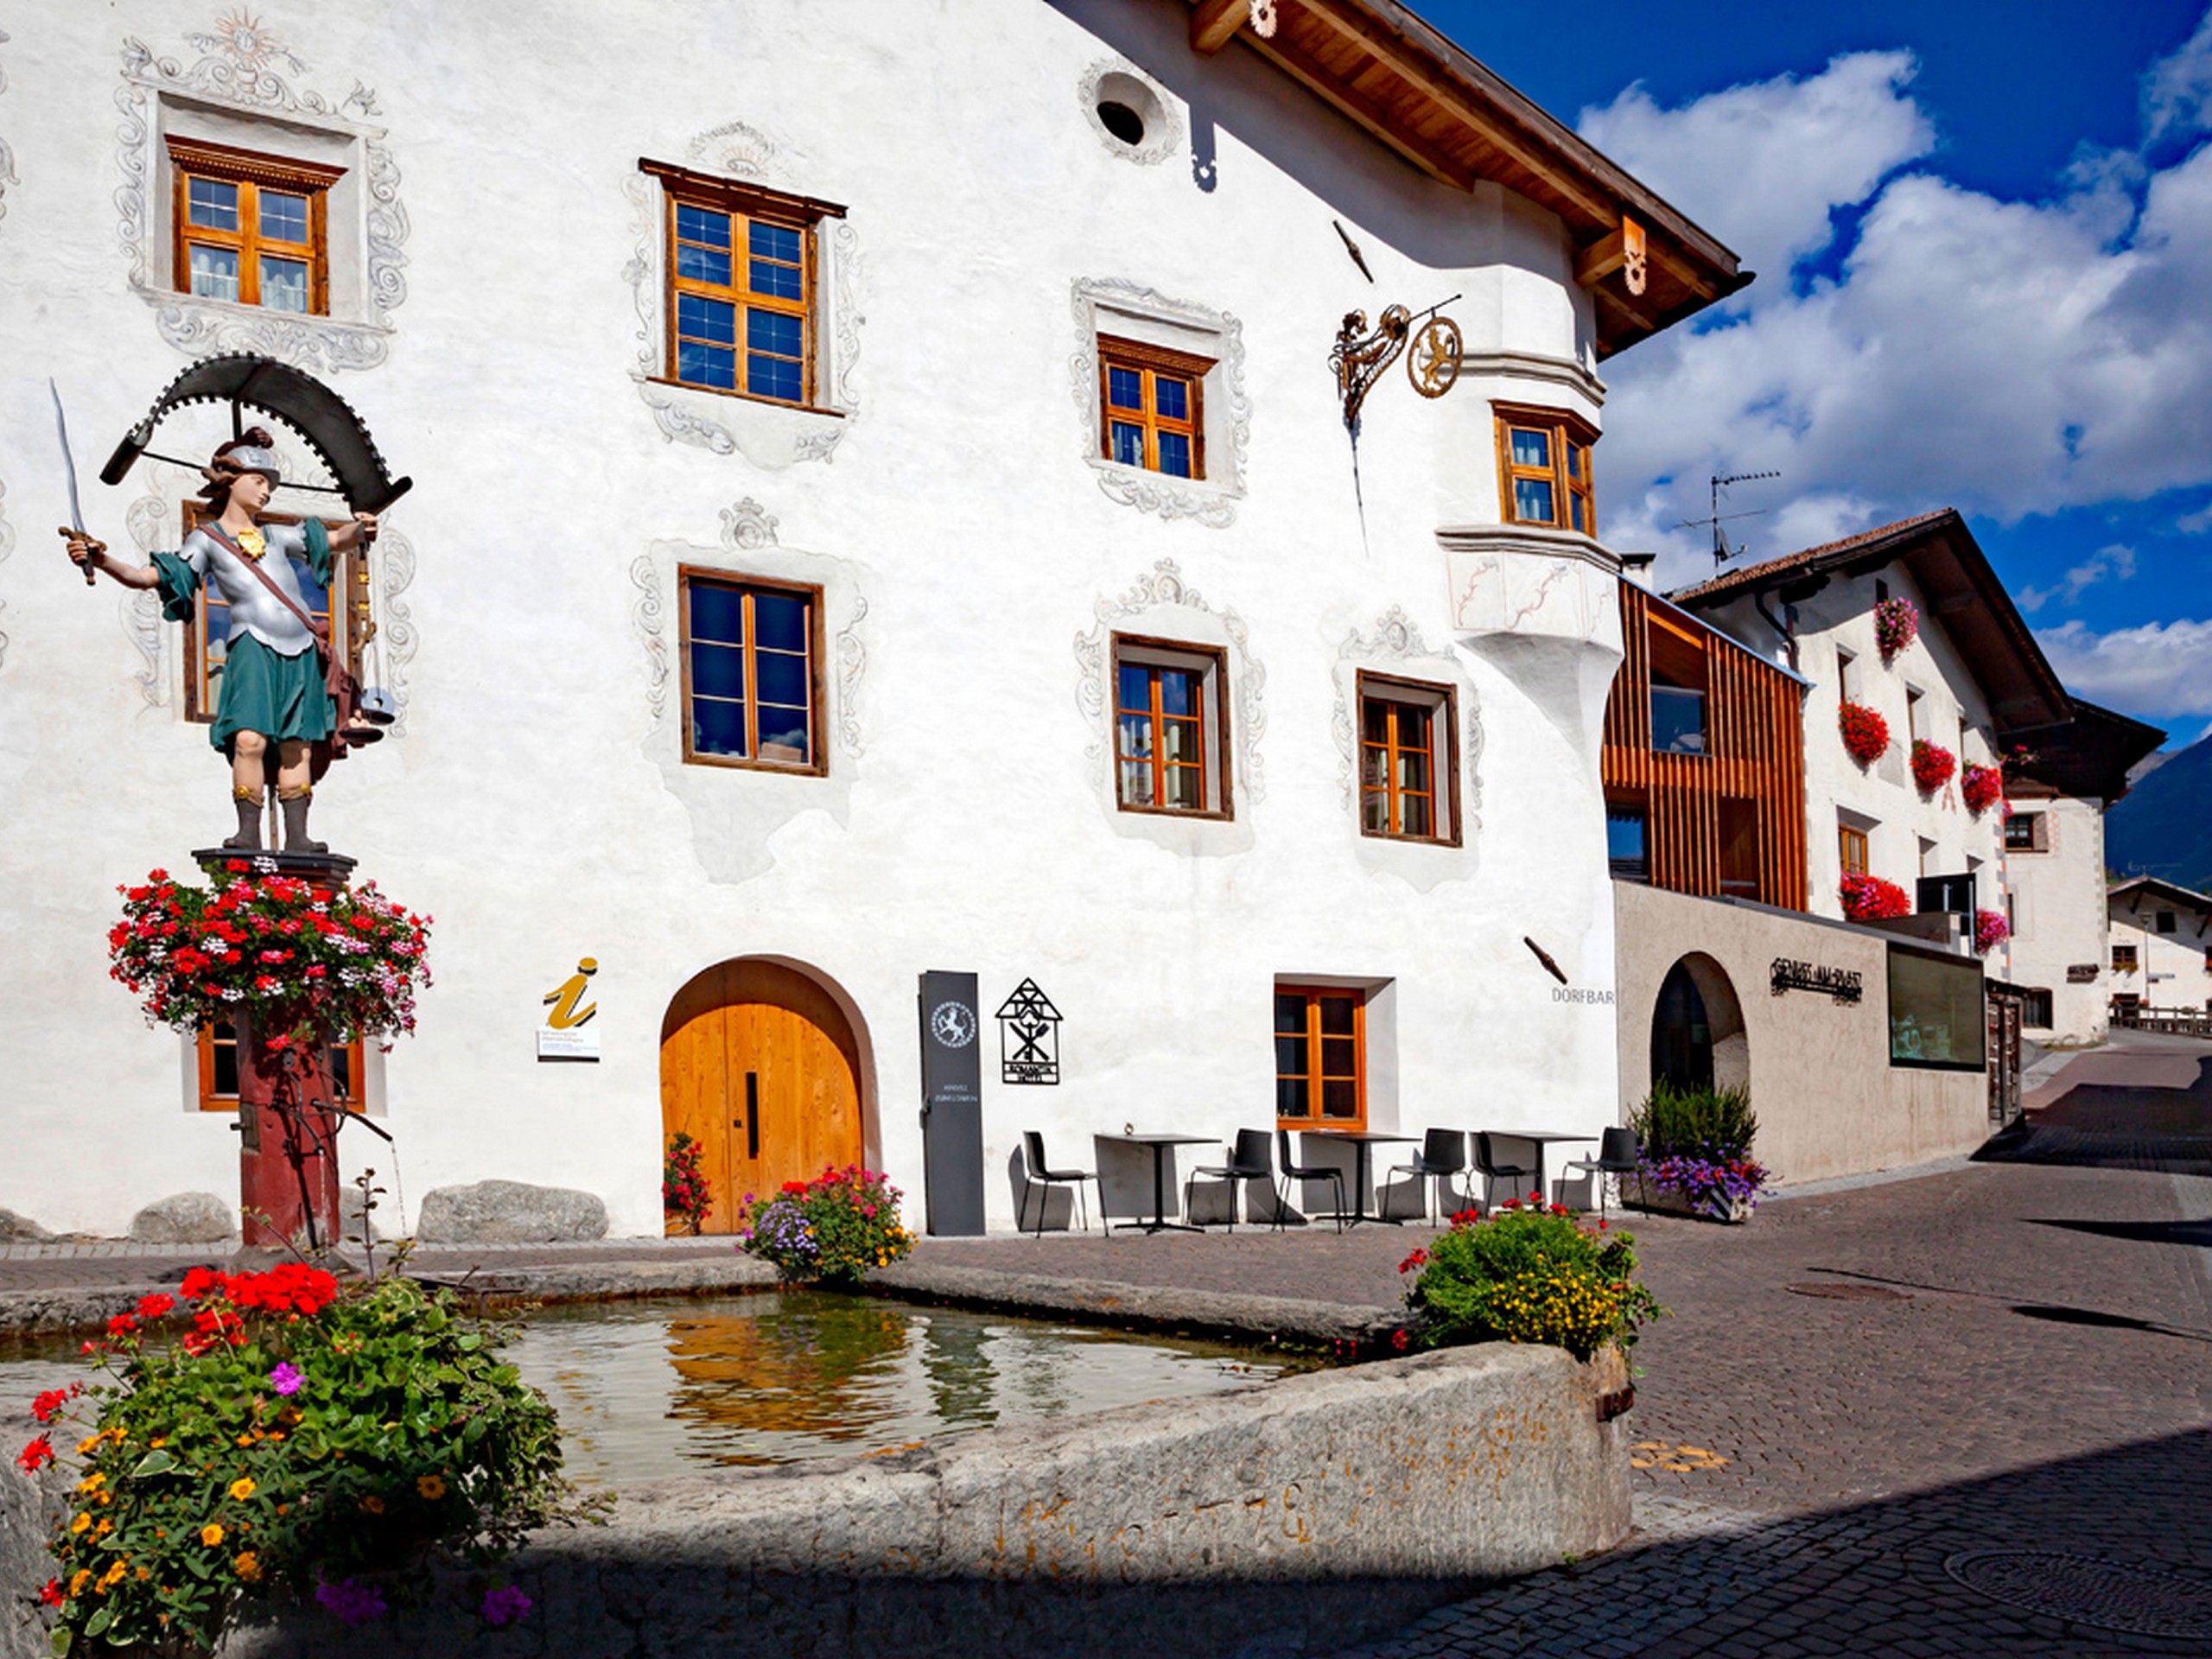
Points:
(567, 1033)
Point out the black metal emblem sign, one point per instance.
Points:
(1844, 984)
(1029, 1036)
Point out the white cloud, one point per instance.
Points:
(2162, 665)
(1793, 150)
(2116, 564)
(2178, 90)
(2007, 358)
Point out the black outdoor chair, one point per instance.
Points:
(1033, 1146)
(1293, 1171)
(1618, 1154)
(1443, 1155)
(1248, 1162)
(1492, 1171)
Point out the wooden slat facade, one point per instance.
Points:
(1750, 779)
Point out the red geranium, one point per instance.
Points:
(1870, 899)
(1932, 764)
(1981, 788)
(35, 1456)
(1990, 931)
(1896, 625)
(1866, 734)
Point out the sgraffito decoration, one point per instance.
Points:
(1029, 1036)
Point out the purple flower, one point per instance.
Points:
(288, 1378)
(505, 1606)
(354, 1602)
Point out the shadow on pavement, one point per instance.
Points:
(2112, 1126)
(2097, 1555)
(2198, 1233)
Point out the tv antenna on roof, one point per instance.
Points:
(1721, 551)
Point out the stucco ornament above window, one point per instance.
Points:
(1126, 310)
(1157, 594)
(244, 69)
(7, 156)
(1395, 643)
(766, 434)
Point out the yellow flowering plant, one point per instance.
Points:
(1529, 1274)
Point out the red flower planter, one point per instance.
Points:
(1866, 734)
(1932, 764)
(1870, 899)
(1990, 931)
(1981, 788)
(1896, 625)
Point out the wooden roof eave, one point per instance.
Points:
(1510, 134)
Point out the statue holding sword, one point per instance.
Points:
(277, 683)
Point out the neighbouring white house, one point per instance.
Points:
(883, 507)
(2161, 944)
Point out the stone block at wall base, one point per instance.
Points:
(185, 1218)
(510, 1212)
(21, 1230)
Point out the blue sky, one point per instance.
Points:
(1983, 238)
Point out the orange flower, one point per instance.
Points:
(249, 1565)
(432, 1487)
(242, 1488)
(211, 1535)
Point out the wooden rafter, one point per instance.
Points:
(1214, 23)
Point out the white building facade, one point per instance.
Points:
(882, 506)
(2161, 945)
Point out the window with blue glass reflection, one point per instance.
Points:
(741, 274)
(1677, 719)
(750, 650)
(1150, 414)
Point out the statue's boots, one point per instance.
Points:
(248, 838)
(295, 803)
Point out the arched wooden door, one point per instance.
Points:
(760, 1066)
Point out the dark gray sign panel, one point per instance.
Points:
(952, 1105)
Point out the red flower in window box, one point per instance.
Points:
(1870, 899)
(1932, 764)
(1981, 788)
(1990, 931)
(1896, 625)
(1866, 734)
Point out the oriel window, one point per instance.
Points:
(751, 681)
(741, 295)
(249, 228)
(1544, 476)
(1150, 413)
(1320, 1058)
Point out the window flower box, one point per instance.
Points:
(1866, 734)
(1932, 764)
(1896, 625)
(1870, 899)
(1981, 788)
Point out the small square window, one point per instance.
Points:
(1627, 847)
(2124, 959)
(1150, 400)
(1851, 846)
(218, 1048)
(742, 286)
(1170, 729)
(752, 658)
(1544, 471)
(2166, 921)
(1408, 778)
(1321, 1034)
(249, 228)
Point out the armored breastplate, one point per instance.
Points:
(253, 609)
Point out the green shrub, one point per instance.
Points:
(1696, 1122)
(293, 1440)
(1528, 1275)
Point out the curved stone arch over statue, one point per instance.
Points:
(767, 1063)
(1698, 1035)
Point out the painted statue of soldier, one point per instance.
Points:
(276, 679)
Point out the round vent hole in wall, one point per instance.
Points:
(1124, 123)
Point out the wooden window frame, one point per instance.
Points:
(1442, 702)
(1564, 429)
(744, 203)
(2038, 832)
(250, 171)
(816, 677)
(1217, 793)
(349, 623)
(211, 1100)
(2126, 959)
(1114, 351)
(1316, 1078)
(1851, 840)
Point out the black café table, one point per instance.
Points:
(1161, 1145)
(1361, 1139)
(1540, 1139)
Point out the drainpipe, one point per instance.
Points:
(1787, 630)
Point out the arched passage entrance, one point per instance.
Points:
(760, 1066)
(1697, 1028)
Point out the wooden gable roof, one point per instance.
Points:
(1645, 264)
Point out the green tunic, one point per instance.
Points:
(262, 689)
